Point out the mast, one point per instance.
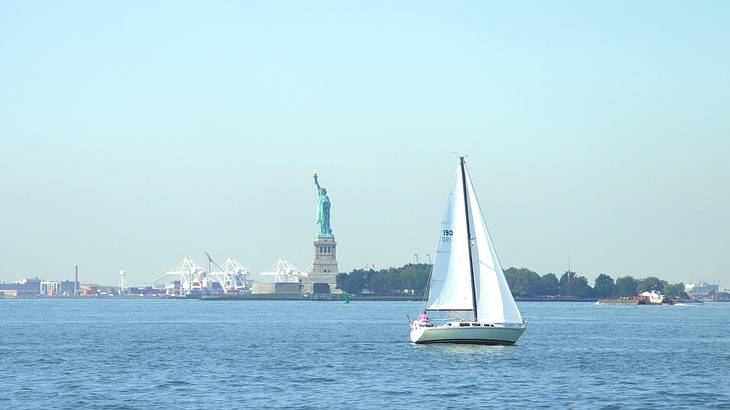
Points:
(468, 239)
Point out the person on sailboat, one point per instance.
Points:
(423, 318)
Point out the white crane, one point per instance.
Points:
(185, 278)
(283, 271)
(232, 276)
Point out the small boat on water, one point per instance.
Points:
(467, 282)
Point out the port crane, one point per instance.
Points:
(284, 271)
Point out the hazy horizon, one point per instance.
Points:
(136, 134)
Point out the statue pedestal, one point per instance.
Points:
(324, 266)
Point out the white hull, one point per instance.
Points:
(460, 332)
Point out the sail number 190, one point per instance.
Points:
(447, 234)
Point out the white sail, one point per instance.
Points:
(495, 303)
(451, 278)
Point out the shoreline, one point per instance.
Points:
(290, 297)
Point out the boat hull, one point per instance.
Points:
(455, 332)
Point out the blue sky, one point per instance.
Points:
(135, 134)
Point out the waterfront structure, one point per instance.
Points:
(27, 286)
(50, 288)
(701, 288)
(122, 275)
(321, 277)
(38, 287)
(263, 287)
(91, 289)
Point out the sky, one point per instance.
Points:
(136, 133)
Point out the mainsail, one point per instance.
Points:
(451, 283)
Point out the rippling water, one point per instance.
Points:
(196, 354)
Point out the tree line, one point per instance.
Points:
(413, 279)
(408, 279)
(526, 283)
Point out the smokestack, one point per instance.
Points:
(76, 281)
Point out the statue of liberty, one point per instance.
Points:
(323, 211)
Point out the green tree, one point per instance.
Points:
(675, 291)
(625, 286)
(415, 276)
(510, 274)
(343, 282)
(376, 282)
(421, 281)
(550, 284)
(603, 286)
(650, 283)
(390, 281)
(523, 282)
(358, 280)
(408, 278)
(574, 285)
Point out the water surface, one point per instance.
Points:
(140, 354)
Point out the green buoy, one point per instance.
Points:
(347, 298)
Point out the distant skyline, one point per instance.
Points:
(134, 134)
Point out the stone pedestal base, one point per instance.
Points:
(324, 266)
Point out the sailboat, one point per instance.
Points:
(467, 281)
